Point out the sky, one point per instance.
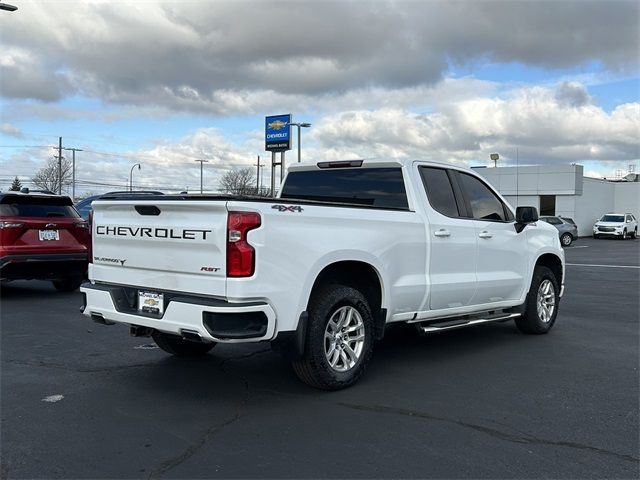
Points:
(166, 83)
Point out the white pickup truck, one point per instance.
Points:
(345, 249)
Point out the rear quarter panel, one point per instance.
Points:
(293, 247)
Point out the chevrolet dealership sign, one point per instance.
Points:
(277, 133)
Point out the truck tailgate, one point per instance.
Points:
(174, 245)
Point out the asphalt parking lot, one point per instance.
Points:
(486, 402)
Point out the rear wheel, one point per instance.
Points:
(339, 339)
(541, 306)
(566, 239)
(634, 235)
(180, 347)
(70, 284)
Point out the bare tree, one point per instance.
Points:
(47, 177)
(239, 181)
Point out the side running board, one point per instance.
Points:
(452, 323)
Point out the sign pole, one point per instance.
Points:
(281, 167)
(273, 174)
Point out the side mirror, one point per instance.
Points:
(524, 216)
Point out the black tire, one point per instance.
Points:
(70, 284)
(314, 368)
(596, 236)
(532, 321)
(180, 347)
(624, 234)
(566, 239)
(634, 235)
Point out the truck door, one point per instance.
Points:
(502, 260)
(452, 243)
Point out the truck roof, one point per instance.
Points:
(368, 163)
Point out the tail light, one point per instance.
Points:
(10, 232)
(241, 257)
(4, 225)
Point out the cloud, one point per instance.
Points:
(195, 56)
(537, 121)
(11, 130)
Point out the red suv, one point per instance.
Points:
(42, 237)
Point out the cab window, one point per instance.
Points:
(439, 191)
(485, 205)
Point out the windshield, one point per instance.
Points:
(612, 218)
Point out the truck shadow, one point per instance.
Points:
(232, 371)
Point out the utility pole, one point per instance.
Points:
(73, 171)
(201, 162)
(258, 176)
(59, 165)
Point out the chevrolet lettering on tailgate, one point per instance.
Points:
(184, 234)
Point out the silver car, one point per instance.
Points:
(567, 229)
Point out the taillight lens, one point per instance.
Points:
(241, 258)
(11, 225)
(10, 232)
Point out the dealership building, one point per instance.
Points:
(563, 190)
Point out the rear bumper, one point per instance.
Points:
(213, 320)
(42, 266)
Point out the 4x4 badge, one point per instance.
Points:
(288, 208)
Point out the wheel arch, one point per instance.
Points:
(359, 275)
(552, 262)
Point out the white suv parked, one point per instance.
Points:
(620, 225)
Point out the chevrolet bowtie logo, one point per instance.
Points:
(276, 125)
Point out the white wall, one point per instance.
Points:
(627, 198)
(597, 199)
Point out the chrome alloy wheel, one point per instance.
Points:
(546, 300)
(344, 339)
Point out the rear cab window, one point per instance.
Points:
(440, 191)
(36, 206)
(373, 187)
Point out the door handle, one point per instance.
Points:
(485, 234)
(442, 233)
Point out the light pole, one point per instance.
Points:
(131, 176)
(73, 171)
(300, 125)
(201, 162)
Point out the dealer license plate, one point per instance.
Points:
(48, 235)
(150, 302)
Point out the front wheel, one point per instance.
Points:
(339, 340)
(566, 239)
(180, 347)
(595, 236)
(541, 306)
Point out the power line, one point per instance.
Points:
(27, 146)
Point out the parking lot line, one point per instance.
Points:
(603, 266)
